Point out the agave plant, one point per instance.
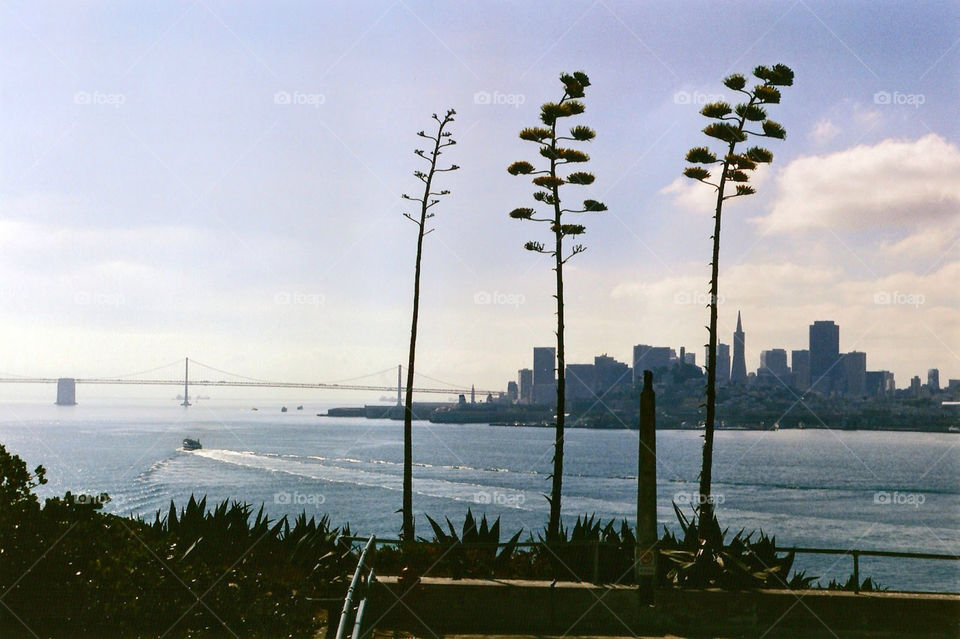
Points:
(703, 558)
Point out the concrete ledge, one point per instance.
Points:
(477, 606)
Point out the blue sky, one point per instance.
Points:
(223, 180)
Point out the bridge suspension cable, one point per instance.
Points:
(439, 381)
(214, 368)
(152, 370)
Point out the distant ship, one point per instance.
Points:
(191, 444)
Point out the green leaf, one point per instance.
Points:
(582, 133)
(716, 109)
(767, 94)
(520, 168)
(725, 131)
(548, 181)
(580, 178)
(521, 214)
(701, 155)
(573, 155)
(774, 130)
(696, 172)
(759, 154)
(535, 134)
(752, 113)
(735, 82)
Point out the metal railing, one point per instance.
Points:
(352, 615)
(855, 553)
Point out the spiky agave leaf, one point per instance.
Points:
(573, 155)
(593, 205)
(759, 154)
(548, 181)
(751, 112)
(521, 213)
(774, 130)
(767, 94)
(572, 229)
(735, 81)
(745, 189)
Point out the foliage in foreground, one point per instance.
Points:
(67, 567)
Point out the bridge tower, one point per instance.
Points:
(186, 382)
(66, 391)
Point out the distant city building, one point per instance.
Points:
(544, 377)
(690, 358)
(609, 374)
(649, 358)
(723, 362)
(933, 380)
(525, 379)
(915, 386)
(953, 387)
(878, 383)
(738, 374)
(824, 354)
(854, 369)
(513, 391)
(775, 361)
(581, 381)
(800, 366)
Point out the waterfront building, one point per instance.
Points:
(824, 355)
(800, 366)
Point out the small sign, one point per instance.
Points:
(647, 564)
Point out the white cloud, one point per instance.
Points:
(823, 132)
(895, 182)
(696, 196)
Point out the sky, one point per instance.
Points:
(223, 181)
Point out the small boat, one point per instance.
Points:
(300, 407)
(191, 444)
(283, 409)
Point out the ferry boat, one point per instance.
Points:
(191, 444)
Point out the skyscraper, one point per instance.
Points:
(649, 358)
(824, 353)
(544, 378)
(525, 380)
(933, 380)
(738, 373)
(723, 362)
(800, 365)
(854, 367)
(775, 361)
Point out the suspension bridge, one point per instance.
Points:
(66, 386)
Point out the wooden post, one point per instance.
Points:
(646, 555)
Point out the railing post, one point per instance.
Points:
(856, 571)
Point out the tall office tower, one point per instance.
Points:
(915, 386)
(525, 380)
(723, 362)
(610, 373)
(513, 391)
(581, 381)
(544, 377)
(824, 353)
(738, 374)
(854, 370)
(649, 358)
(800, 364)
(775, 361)
(933, 380)
(690, 358)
